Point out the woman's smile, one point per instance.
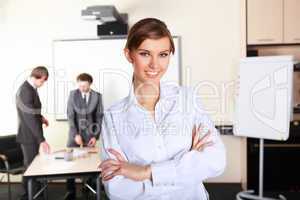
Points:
(152, 74)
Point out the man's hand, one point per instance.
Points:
(111, 168)
(78, 140)
(92, 142)
(200, 143)
(44, 147)
(45, 121)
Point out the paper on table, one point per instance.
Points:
(79, 153)
(60, 154)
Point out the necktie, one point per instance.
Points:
(85, 99)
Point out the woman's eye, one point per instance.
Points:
(144, 54)
(164, 54)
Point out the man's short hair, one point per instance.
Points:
(40, 72)
(85, 77)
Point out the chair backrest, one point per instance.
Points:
(12, 150)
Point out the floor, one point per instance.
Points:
(217, 192)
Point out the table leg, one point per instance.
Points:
(46, 190)
(98, 182)
(30, 192)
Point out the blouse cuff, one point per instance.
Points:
(163, 173)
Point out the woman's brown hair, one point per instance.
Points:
(148, 28)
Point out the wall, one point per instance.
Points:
(211, 48)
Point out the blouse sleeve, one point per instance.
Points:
(192, 167)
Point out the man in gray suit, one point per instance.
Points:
(30, 131)
(85, 113)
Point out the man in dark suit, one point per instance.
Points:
(85, 113)
(30, 131)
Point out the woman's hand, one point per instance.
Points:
(111, 168)
(200, 143)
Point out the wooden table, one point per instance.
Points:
(46, 167)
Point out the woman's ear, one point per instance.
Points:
(127, 54)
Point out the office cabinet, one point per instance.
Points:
(265, 21)
(281, 162)
(291, 21)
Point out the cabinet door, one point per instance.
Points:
(265, 21)
(291, 21)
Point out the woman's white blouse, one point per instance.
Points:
(163, 142)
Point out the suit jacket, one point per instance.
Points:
(84, 118)
(30, 130)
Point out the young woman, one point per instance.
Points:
(157, 143)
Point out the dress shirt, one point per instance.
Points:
(163, 142)
(87, 96)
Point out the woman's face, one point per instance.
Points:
(150, 60)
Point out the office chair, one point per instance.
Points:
(11, 159)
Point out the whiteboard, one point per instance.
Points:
(104, 59)
(264, 104)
